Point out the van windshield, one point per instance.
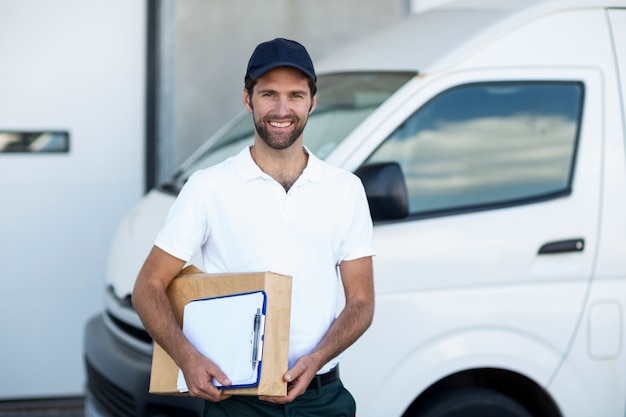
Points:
(343, 101)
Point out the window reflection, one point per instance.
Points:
(485, 144)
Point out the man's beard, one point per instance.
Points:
(279, 141)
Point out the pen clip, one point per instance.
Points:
(257, 338)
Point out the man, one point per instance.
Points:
(274, 207)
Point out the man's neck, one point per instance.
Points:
(284, 165)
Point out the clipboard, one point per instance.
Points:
(230, 331)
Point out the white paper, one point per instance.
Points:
(222, 329)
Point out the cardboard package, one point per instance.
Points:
(192, 284)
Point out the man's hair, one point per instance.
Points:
(251, 82)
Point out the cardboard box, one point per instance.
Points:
(192, 284)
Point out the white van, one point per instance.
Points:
(490, 137)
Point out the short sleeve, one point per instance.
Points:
(357, 240)
(185, 228)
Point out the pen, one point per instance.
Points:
(255, 342)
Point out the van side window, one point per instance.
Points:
(485, 145)
(34, 142)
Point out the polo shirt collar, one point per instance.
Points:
(249, 170)
(246, 167)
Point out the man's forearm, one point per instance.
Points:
(357, 277)
(157, 316)
(348, 327)
(153, 307)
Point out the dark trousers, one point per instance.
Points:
(331, 400)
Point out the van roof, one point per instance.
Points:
(439, 37)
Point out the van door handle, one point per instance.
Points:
(561, 246)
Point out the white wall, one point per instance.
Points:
(75, 65)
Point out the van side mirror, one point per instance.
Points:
(385, 189)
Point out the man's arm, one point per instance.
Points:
(153, 307)
(354, 319)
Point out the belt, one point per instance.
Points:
(323, 379)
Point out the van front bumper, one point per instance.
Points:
(118, 378)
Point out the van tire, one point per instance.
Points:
(471, 402)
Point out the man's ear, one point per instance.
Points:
(313, 104)
(247, 102)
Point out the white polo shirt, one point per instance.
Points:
(243, 221)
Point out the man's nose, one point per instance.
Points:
(281, 106)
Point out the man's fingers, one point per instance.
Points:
(200, 383)
(209, 392)
(223, 379)
(296, 388)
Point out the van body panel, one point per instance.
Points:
(612, 250)
(463, 336)
(134, 239)
(578, 37)
(617, 23)
(576, 386)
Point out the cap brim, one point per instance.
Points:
(257, 72)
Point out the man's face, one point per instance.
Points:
(280, 105)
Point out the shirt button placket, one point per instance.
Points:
(289, 210)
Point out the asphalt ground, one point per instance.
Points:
(67, 407)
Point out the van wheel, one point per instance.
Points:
(471, 402)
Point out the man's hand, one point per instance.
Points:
(199, 372)
(299, 377)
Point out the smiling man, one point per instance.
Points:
(273, 207)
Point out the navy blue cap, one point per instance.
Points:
(280, 52)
